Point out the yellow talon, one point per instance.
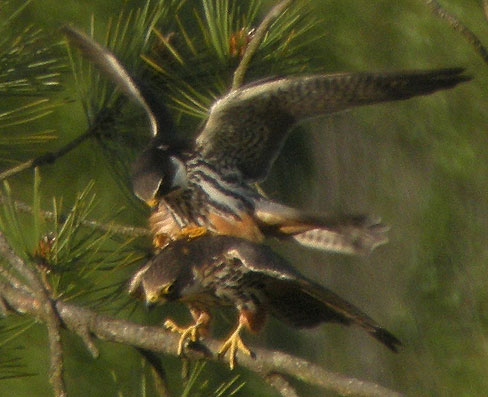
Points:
(234, 344)
(191, 232)
(190, 332)
(152, 202)
(161, 240)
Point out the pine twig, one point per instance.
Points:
(104, 227)
(46, 311)
(47, 158)
(458, 26)
(51, 157)
(118, 229)
(254, 44)
(156, 339)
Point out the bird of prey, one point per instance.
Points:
(209, 183)
(216, 270)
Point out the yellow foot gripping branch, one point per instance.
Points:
(191, 332)
(234, 344)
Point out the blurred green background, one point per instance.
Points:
(421, 165)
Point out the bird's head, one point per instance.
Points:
(164, 278)
(156, 172)
(159, 293)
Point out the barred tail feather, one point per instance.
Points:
(349, 240)
(348, 234)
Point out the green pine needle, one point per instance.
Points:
(31, 69)
(230, 388)
(29, 65)
(78, 262)
(87, 263)
(20, 238)
(127, 36)
(20, 136)
(11, 366)
(27, 113)
(198, 385)
(192, 379)
(212, 39)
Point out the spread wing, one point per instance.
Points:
(305, 304)
(159, 118)
(152, 166)
(247, 128)
(296, 300)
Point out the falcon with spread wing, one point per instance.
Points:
(212, 271)
(209, 183)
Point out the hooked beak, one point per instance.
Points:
(152, 301)
(152, 202)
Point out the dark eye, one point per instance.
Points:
(168, 289)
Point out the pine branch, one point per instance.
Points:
(14, 281)
(279, 382)
(45, 310)
(458, 26)
(158, 340)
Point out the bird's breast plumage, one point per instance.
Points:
(215, 198)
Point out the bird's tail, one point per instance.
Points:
(348, 234)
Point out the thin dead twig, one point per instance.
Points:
(105, 227)
(254, 44)
(47, 158)
(458, 26)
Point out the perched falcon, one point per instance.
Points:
(209, 183)
(215, 270)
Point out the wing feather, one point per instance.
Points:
(295, 299)
(247, 128)
(159, 118)
(303, 303)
